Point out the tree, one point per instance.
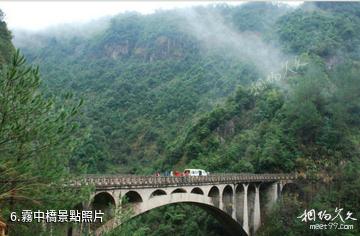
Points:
(37, 138)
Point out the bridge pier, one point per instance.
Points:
(221, 200)
(275, 193)
(245, 212)
(234, 203)
(257, 218)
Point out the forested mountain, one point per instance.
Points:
(305, 119)
(269, 129)
(145, 79)
(252, 88)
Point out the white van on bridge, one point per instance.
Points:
(195, 172)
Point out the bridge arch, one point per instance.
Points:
(251, 206)
(197, 190)
(101, 200)
(214, 194)
(157, 192)
(239, 198)
(227, 199)
(198, 200)
(104, 202)
(133, 197)
(179, 190)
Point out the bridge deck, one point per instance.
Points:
(130, 181)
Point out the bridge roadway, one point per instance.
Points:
(238, 201)
(133, 181)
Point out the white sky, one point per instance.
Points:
(37, 15)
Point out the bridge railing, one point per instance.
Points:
(131, 180)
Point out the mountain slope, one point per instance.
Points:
(145, 79)
(307, 121)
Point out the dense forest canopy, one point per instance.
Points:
(255, 88)
(156, 73)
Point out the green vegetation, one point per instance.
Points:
(177, 219)
(325, 32)
(160, 96)
(37, 139)
(142, 81)
(6, 47)
(307, 123)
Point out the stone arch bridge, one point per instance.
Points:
(238, 201)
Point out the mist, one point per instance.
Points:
(214, 33)
(24, 38)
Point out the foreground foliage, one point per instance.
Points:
(36, 140)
